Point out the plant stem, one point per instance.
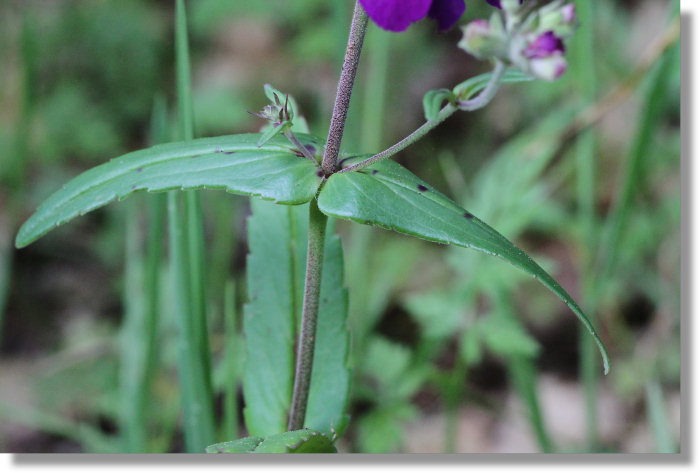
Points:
(187, 260)
(426, 128)
(358, 29)
(231, 385)
(586, 80)
(318, 221)
(289, 134)
(307, 337)
(468, 105)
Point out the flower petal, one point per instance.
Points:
(396, 15)
(446, 12)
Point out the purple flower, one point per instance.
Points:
(545, 45)
(397, 15)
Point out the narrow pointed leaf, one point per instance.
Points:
(390, 196)
(231, 163)
(277, 240)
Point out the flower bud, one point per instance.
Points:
(483, 39)
(558, 18)
(541, 56)
(545, 45)
(510, 6)
(549, 68)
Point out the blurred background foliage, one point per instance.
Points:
(452, 351)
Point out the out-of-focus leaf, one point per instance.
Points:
(382, 430)
(440, 313)
(506, 337)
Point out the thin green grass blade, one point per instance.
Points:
(194, 219)
(585, 78)
(231, 163)
(232, 376)
(197, 409)
(654, 93)
(657, 419)
(141, 302)
(5, 270)
(92, 439)
(523, 375)
(389, 196)
(187, 253)
(133, 340)
(275, 270)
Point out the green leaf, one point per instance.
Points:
(244, 445)
(269, 320)
(276, 264)
(271, 132)
(471, 86)
(470, 347)
(440, 313)
(506, 338)
(232, 163)
(299, 441)
(432, 102)
(382, 430)
(389, 196)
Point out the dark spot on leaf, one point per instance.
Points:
(133, 188)
(139, 170)
(422, 188)
(319, 173)
(229, 152)
(311, 148)
(375, 172)
(468, 215)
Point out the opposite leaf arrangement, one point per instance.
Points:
(287, 166)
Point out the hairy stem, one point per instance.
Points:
(345, 86)
(476, 103)
(309, 316)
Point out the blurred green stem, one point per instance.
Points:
(453, 396)
(187, 260)
(587, 82)
(656, 415)
(231, 378)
